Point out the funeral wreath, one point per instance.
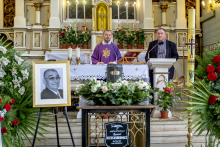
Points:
(17, 116)
(121, 92)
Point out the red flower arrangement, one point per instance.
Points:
(210, 68)
(218, 69)
(216, 59)
(7, 107)
(212, 99)
(212, 77)
(4, 130)
(15, 122)
(1, 118)
(12, 101)
(0, 100)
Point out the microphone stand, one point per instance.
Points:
(152, 49)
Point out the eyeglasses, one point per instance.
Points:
(53, 78)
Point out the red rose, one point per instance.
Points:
(1, 118)
(15, 122)
(166, 89)
(216, 59)
(119, 30)
(139, 28)
(210, 68)
(12, 101)
(65, 27)
(7, 107)
(83, 26)
(218, 69)
(0, 100)
(137, 31)
(212, 77)
(212, 99)
(4, 130)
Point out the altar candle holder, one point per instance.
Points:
(77, 61)
(77, 56)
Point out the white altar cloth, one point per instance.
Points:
(85, 72)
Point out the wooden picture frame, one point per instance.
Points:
(51, 83)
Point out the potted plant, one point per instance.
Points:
(129, 38)
(120, 35)
(118, 93)
(140, 38)
(73, 37)
(63, 37)
(84, 37)
(165, 100)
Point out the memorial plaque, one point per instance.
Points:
(116, 134)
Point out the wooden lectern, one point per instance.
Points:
(130, 56)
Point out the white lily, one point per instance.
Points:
(2, 73)
(4, 60)
(18, 59)
(1, 83)
(21, 90)
(3, 49)
(13, 72)
(25, 74)
(16, 83)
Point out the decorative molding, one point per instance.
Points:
(9, 13)
(19, 39)
(48, 14)
(149, 36)
(37, 6)
(211, 47)
(37, 39)
(10, 35)
(27, 18)
(181, 39)
(98, 1)
(53, 39)
(189, 4)
(163, 7)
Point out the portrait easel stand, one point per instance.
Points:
(55, 111)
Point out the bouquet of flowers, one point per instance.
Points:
(121, 92)
(205, 94)
(63, 35)
(17, 115)
(84, 35)
(120, 34)
(140, 36)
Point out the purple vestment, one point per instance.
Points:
(105, 53)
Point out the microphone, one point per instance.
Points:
(158, 43)
(114, 52)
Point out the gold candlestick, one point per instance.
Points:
(77, 61)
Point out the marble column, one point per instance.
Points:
(19, 19)
(110, 15)
(148, 13)
(164, 15)
(181, 12)
(54, 21)
(37, 15)
(198, 14)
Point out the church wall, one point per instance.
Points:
(1, 14)
(211, 27)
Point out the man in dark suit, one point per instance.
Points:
(52, 83)
(165, 49)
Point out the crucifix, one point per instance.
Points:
(102, 15)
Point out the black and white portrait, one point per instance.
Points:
(52, 84)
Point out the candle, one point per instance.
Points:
(135, 13)
(127, 12)
(118, 13)
(67, 11)
(84, 12)
(70, 53)
(77, 52)
(76, 10)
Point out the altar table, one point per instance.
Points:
(86, 109)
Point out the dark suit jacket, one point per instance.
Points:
(48, 94)
(171, 52)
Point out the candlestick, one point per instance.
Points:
(67, 11)
(70, 52)
(127, 13)
(76, 10)
(118, 13)
(84, 3)
(135, 13)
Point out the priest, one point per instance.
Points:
(106, 52)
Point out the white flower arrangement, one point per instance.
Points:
(25, 74)
(3, 112)
(18, 59)
(1, 83)
(2, 73)
(21, 90)
(4, 61)
(120, 92)
(13, 72)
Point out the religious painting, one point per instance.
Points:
(51, 84)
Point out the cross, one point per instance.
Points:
(74, 69)
(191, 45)
(106, 53)
(102, 15)
(136, 69)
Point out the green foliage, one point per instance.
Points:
(211, 142)
(73, 37)
(63, 35)
(119, 93)
(129, 37)
(120, 34)
(140, 36)
(84, 36)
(22, 109)
(165, 98)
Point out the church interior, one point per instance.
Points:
(37, 29)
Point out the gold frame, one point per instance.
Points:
(68, 83)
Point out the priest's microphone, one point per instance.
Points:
(158, 43)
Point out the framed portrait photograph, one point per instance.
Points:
(51, 83)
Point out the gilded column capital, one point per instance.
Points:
(37, 6)
(163, 7)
